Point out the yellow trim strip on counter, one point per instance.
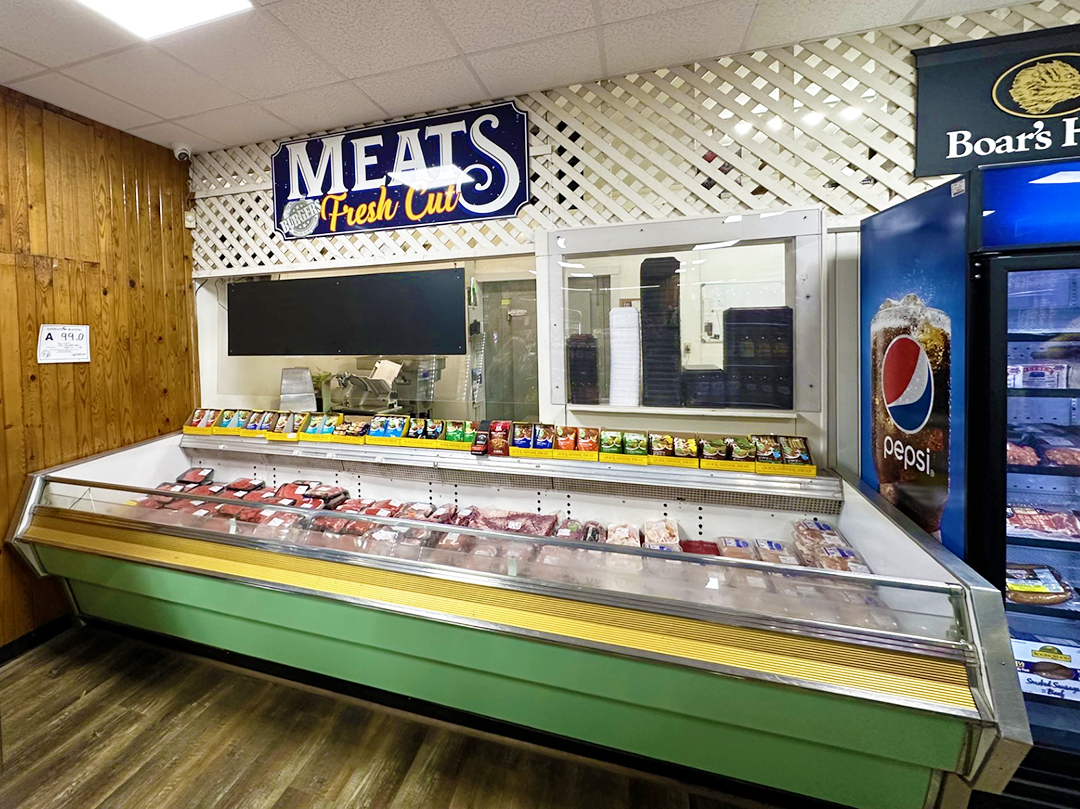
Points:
(820, 660)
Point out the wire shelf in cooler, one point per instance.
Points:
(1053, 471)
(1043, 337)
(1048, 543)
(1045, 393)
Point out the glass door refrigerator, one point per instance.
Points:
(994, 255)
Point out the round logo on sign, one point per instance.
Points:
(907, 384)
(1043, 87)
(300, 217)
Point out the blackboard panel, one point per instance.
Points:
(387, 313)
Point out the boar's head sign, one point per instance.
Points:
(455, 167)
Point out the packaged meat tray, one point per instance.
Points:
(734, 548)
(460, 543)
(170, 488)
(700, 546)
(776, 552)
(813, 534)
(415, 511)
(594, 532)
(661, 535)
(515, 522)
(443, 514)
(839, 559)
(570, 531)
(1035, 584)
(623, 534)
(245, 484)
(464, 517)
(251, 514)
(1059, 448)
(298, 488)
(196, 475)
(384, 508)
(555, 555)
(330, 495)
(1030, 521)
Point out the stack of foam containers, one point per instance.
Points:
(625, 366)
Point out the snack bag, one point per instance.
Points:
(686, 447)
(714, 449)
(470, 430)
(315, 423)
(378, 427)
(196, 418)
(523, 435)
(662, 444)
(417, 428)
(635, 444)
(795, 450)
(543, 436)
(435, 430)
(741, 448)
(455, 431)
(611, 442)
(768, 449)
(566, 438)
(255, 420)
(588, 439)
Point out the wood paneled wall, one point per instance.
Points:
(91, 232)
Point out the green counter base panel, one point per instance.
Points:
(850, 751)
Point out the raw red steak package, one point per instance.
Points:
(384, 508)
(172, 488)
(443, 514)
(1029, 521)
(700, 546)
(252, 514)
(515, 522)
(570, 530)
(415, 511)
(245, 484)
(196, 475)
(211, 489)
(330, 495)
(465, 516)
(149, 502)
(461, 543)
(231, 509)
(298, 488)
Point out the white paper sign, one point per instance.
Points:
(58, 343)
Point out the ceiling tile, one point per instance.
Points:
(701, 32)
(424, 88)
(148, 78)
(167, 133)
(244, 123)
(252, 53)
(930, 9)
(480, 25)
(539, 65)
(783, 22)
(321, 108)
(615, 10)
(13, 67)
(69, 94)
(58, 32)
(364, 37)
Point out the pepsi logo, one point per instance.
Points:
(907, 383)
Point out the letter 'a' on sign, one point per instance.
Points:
(1001, 100)
(456, 167)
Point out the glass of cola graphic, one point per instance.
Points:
(910, 346)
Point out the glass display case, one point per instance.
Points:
(705, 618)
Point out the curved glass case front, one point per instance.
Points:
(543, 553)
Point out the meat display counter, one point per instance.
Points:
(886, 684)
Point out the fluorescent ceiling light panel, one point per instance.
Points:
(569, 266)
(581, 275)
(1058, 177)
(715, 245)
(154, 18)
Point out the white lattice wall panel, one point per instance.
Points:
(829, 122)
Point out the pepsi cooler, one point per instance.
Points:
(970, 399)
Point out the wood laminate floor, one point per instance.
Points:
(94, 719)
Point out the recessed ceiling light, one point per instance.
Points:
(149, 19)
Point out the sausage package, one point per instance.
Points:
(810, 535)
(1035, 584)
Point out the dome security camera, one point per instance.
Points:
(182, 151)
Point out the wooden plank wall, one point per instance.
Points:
(91, 232)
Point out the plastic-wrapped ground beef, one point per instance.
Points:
(245, 484)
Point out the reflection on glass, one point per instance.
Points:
(704, 327)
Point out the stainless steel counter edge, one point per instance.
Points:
(1000, 749)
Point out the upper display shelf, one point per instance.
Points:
(825, 486)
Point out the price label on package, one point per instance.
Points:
(58, 343)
